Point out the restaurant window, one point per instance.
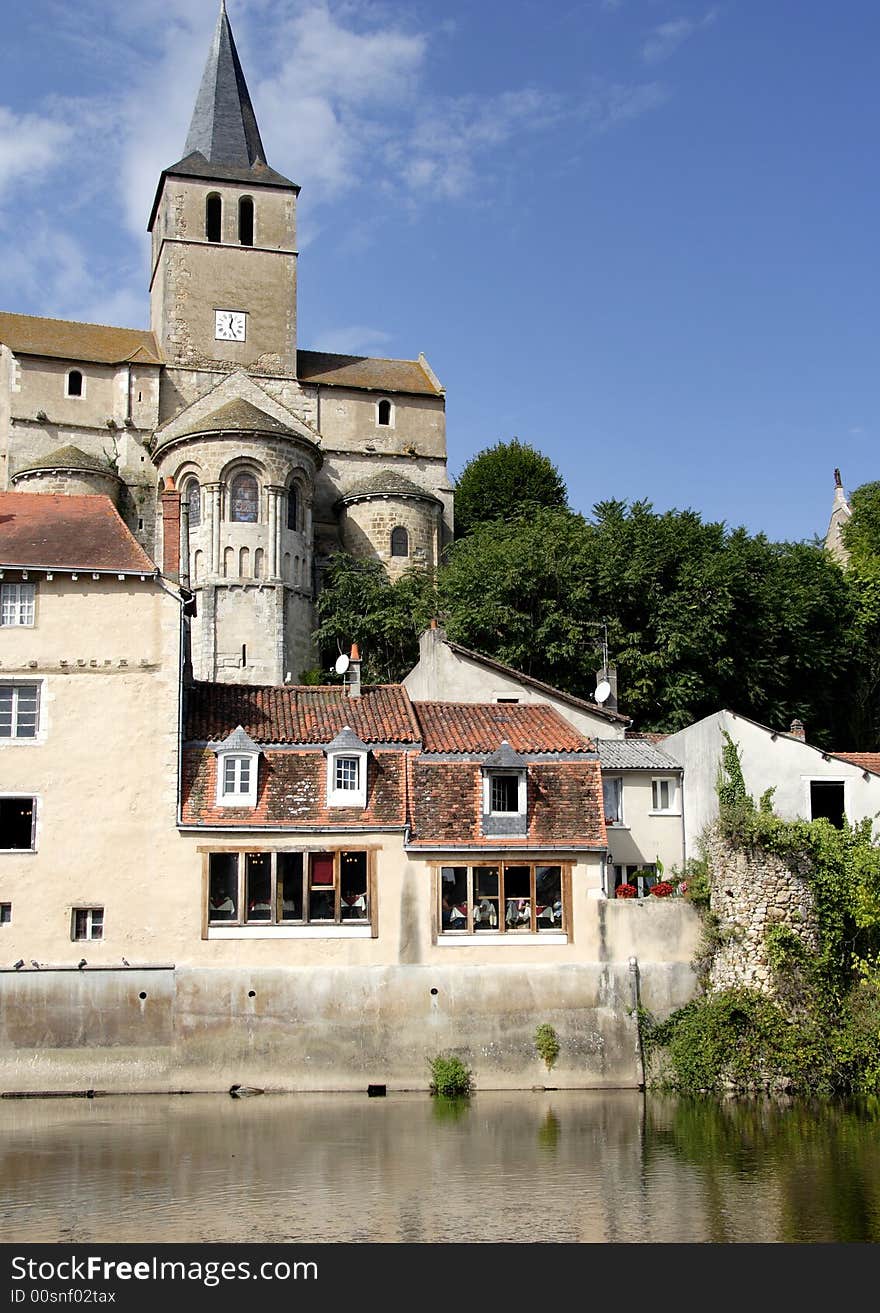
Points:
(502, 898)
(289, 888)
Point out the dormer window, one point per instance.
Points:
(505, 798)
(238, 762)
(347, 770)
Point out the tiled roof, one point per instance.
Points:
(866, 760)
(66, 339)
(649, 735)
(580, 704)
(237, 417)
(564, 806)
(633, 754)
(299, 714)
(365, 372)
(67, 458)
(52, 531)
(387, 483)
(478, 727)
(292, 791)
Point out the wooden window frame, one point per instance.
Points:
(469, 932)
(332, 850)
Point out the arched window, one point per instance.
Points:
(383, 415)
(246, 221)
(292, 507)
(244, 499)
(399, 542)
(214, 218)
(194, 503)
(75, 383)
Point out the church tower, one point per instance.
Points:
(223, 227)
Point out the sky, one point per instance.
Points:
(639, 235)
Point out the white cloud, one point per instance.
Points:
(29, 145)
(666, 38)
(357, 339)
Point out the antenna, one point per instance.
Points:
(342, 664)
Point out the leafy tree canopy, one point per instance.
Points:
(861, 533)
(505, 481)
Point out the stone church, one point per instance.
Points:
(238, 461)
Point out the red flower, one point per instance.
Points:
(662, 889)
(626, 891)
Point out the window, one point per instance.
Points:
(827, 798)
(238, 764)
(87, 923)
(383, 412)
(292, 508)
(399, 542)
(288, 888)
(5, 913)
(346, 770)
(214, 218)
(244, 499)
(506, 898)
(506, 793)
(19, 711)
(17, 823)
(612, 797)
(75, 383)
(664, 794)
(17, 604)
(246, 221)
(193, 497)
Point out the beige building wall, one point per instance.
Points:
(348, 419)
(645, 836)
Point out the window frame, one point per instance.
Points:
(29, 608)
(521, 798)
(469, 932)
(35, 809)
(824, 781)
(233, 480)
(89, 911)
(280, 927)
(674, 808)
(384, 401)
(620, 821)
(356, 797)
(16, 686)
(398, 530)
(238, 797)
(75, 396)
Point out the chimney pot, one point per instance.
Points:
(797, 730)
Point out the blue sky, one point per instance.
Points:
(638, 234)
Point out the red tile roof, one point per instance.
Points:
(293, 792)
(564, 806)
(298, 714)
(41, 530)
(866, 760)
(471, 727)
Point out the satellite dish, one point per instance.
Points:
(342, 664)
(603, 691)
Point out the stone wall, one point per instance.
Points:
(751, 891)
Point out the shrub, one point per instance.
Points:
(626, 891)
(547, 1044)
(450, 1077)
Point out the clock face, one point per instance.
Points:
(230, 325)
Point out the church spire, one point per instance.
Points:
(224, 126)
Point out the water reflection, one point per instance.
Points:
(580, 1166)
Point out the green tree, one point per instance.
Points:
(861, 533)
(505, 481)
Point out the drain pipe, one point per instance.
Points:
(636, 1005)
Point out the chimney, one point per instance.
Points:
(797, 730)
(170, 500)
(609, 673)
(354, 672)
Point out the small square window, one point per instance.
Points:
(664, 795)
(19, 711)
(17, 817)
(347, 773)
(88, 923)
(5, 913)
(17, 604)
(505, 793)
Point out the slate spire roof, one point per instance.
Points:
(224, 126)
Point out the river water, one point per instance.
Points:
(540, 1166)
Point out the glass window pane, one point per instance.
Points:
(518, 897)
(290, 886)
(223, 887)
(453, 898)
(258, 879)
(347, 773)
(244, 499)
(194, 503)
(354, 904)
(5, 712)
(611, 799)
(548, 897)
(322, 893)
(97, 923)
(26, 709)
(485, 897)
(505, 793)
